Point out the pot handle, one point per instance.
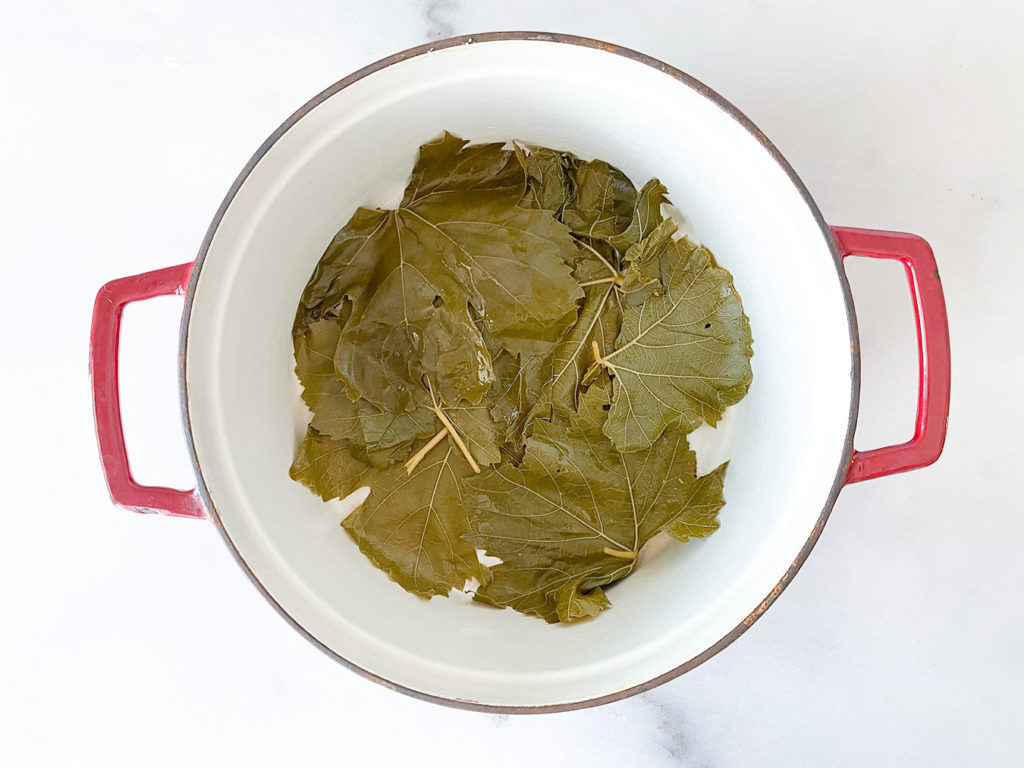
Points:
(933, 351)
(104, 341)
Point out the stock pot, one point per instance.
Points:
(789, 442)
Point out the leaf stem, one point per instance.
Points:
(417, 457)
(620, 553)
(457, 440)
(600, 281)
(599, 362)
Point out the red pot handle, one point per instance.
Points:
(103, 369)
(932, 344)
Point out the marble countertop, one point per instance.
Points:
(133, 640)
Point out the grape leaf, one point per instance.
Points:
(517, 380)
(642, 276)
(603, 201)
(340, 272)
(516, 388)
(573, 604)
(549, 178)
(411, 321)
(447, 164)
(596, 262)
(330, 468)
(458, 238)
(518, 260)
(646, 215)
(595, 199)
(599, 321)
(683, 356)
(335, 414)
(572, 518)
(478, 429)
(412, 527)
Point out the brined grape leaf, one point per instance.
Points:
(572, 518)
(550, 179)
(595, 199)
(518, 260)
(642, 278)
(384, 431)
(573, 604)
(447, 164)
(478, 430)
(603, 201)
(322, 391)
(335, 414)
(373, 429)
(410, 298)
(516, 388)
(596, 262)
(411, 526)
(702, 505)
(458, 238)
(330, 468)
(683, 356)
(646, 215)
(341, 271)
(370, 428)
(552, 184)
(599, 321)
(517, 382)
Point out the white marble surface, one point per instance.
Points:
(133, 640)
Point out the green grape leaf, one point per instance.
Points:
(642, 276)
(411, 526)
(599, 321)
(603, 201)
(682, 356)
(572, 518)
(646, 215)
(458, 238)
(335, 414)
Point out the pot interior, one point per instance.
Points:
(786, 441)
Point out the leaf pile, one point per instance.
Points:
(512, 360)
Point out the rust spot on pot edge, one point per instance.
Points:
(776, 591)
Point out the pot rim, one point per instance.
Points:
(772, 150)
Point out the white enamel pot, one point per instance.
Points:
(789, 442)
